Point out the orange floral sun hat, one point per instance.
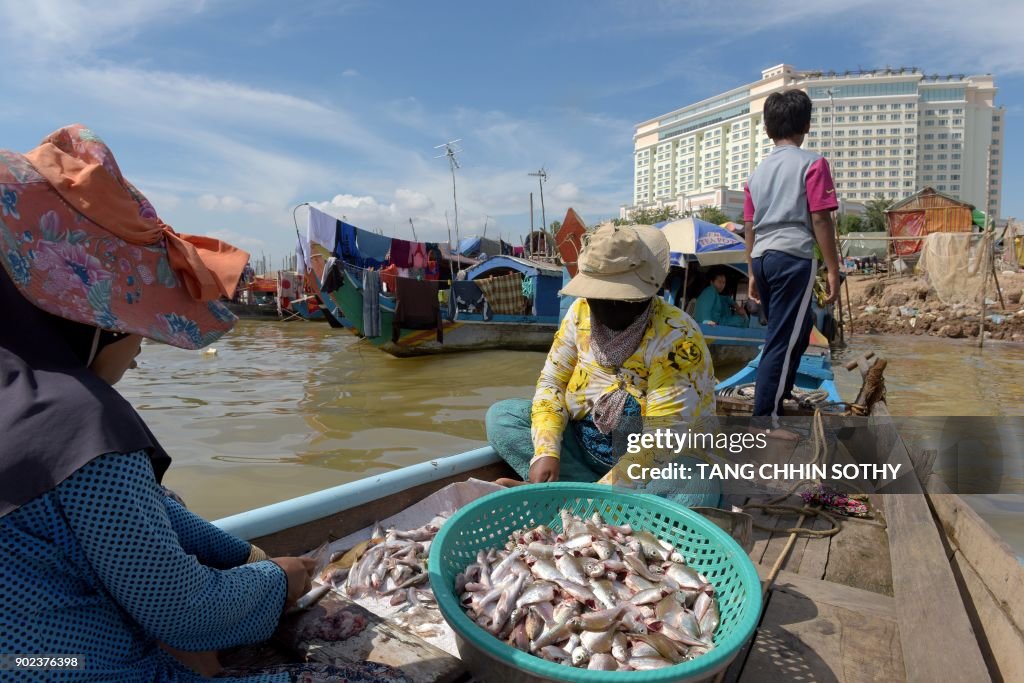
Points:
(80, 242)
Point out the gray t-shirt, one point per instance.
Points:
(781, 194)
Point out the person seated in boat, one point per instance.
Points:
(715, 308)
(623, 360)
(96, 558)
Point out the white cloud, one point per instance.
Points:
(228, 204)
(566, 192)
(350, 73)
(43, 27)
(411, 200)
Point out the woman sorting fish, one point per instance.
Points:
(97, 561)
(623, 361)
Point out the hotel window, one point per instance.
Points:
(954, 176)
(908, 162)
(894, 117)
(909, 116)
(854, 118)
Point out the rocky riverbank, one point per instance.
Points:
(908, 305)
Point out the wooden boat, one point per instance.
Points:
(462, 330)
(254, 311)
(307, 308)
(814, 378)
(922, 591)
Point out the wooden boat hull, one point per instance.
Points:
(302, 308)
(503, 332)
(252, 311)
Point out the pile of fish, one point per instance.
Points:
(594, 595)
(391, 565)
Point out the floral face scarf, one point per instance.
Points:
(611, 349)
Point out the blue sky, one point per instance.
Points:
(227, 113)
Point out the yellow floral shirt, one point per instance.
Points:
(670, 375)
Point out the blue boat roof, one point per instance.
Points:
(524, 266)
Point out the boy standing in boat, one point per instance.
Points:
(788, 204)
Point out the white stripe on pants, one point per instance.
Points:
(798, 325)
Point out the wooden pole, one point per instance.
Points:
(686, 281)
(984, 253)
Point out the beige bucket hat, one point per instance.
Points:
(621, 262)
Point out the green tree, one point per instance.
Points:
(648, 216)
(712, 214)
(850, 222)
(875, 221)
(556, 226)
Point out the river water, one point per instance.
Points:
(282, 409)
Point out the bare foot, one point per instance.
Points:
(506, 482)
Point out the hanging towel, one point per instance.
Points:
(373, 247)
(371, 303)
(434, 252)
(334, 275)
(467, 295)
(388, 276)
(346, 248)
(518, 251)
(504, 294)
(416, 308)
(401, 253)
(321, 229)
(418, 255)
(528, 287)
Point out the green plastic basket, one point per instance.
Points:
(489, 521)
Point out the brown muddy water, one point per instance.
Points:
(283, 409)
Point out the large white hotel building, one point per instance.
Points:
(886, 132)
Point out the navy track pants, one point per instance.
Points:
(785, 284)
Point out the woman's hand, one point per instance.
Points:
(544, 469)
(299, 572)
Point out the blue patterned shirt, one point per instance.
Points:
(105, 565)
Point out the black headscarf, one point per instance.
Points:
(56, 415)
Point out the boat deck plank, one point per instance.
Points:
(859, 557)
(801, 639)
(927, 596)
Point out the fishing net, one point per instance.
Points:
(956, 270)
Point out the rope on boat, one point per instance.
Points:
(808, 398)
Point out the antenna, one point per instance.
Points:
(413, 231)
(542, 177)
(449, 153)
